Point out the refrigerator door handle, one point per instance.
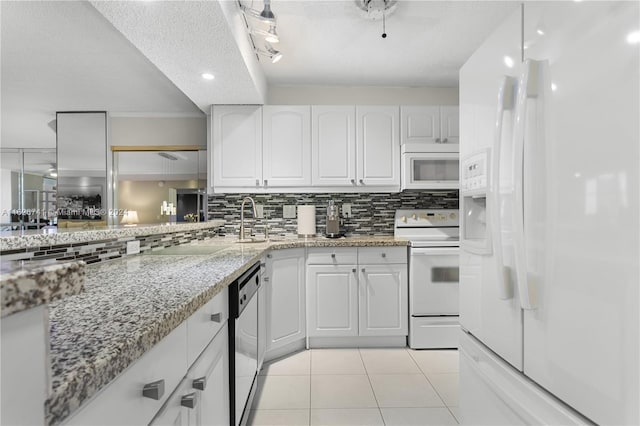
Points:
(505, 103)
(527, 89)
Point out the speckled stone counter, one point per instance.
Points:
(25, 285)
(130, 304)
(14, 240)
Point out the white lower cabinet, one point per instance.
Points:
(285, 298)
(333, 300)
(357, 299)
(158, 388)
(383, 300)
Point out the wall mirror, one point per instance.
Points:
(159, 185)
(28, 194)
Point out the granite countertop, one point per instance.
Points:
(25, 285)
(130, 304)
(14, 240)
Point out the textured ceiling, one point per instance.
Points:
(330, 42)
(186, 39)
(64, 56)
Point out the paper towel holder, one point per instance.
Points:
(306, 221)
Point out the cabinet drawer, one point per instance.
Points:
(205, 323)
(382, 255)
(332, 256)
(122, 402)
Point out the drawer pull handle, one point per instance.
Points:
(333, 255)
(263, 264)
(269, 256)
(154, 390)
(265, 279)
(200, 384)
(216, 317)
(353, 270)
(384, 254)
(363, 271)
(189, 400)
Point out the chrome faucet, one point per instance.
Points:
(255, 215)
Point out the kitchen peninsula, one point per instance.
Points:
(129, 305)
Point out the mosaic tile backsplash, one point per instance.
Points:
(371, 213)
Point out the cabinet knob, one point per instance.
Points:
(265, 279)
(263, 264)
(437, 140)
(333, 255)
(269, 256)
(154, 390)
(257, 182)
(384, 254)
(200, 384)
(361, 181)
(265, 182)
(353, 181)
(353, 270)
(216, 317)
(444, 140)
(363, 271)
(189, 400)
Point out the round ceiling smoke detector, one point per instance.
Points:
(376, 9)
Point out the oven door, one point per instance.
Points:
(246, 356)
(430, 170)
(434, 281)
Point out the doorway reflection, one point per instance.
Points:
(161, 186)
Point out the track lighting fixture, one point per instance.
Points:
(270, 52)
(266, 15)
(270, 36)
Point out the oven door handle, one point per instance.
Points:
(434, 251)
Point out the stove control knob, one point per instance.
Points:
(404, 219)
(414, 216)
(452, 215)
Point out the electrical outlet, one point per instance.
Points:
(133, 247)
(260, 210)
(346, 210)
(288, 212)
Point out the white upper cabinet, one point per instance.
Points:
(378, 145)
(333, 141)
(237, 145)
(286, 138)
(430, 128)
(450, 124)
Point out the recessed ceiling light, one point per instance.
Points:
(540, 31)
(633, 37)
(508, 61)
(208, 76)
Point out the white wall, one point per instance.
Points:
(336, 95)
(5, 195)
(155, 131)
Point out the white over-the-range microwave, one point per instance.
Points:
(430, 166)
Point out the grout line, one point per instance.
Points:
(371, 384)
(310, 378)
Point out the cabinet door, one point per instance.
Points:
(378, 145)
(237, 146)
(209, 377)
(173, 413)
(420, 124)
(333, 141)
(383, 300)
(262, 322)
(285, 298)
(333, 300)
(286, 133)
(450, 125)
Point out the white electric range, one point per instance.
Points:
(433, 275)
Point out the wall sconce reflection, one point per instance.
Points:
(130, 218)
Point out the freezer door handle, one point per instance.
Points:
(505, 103)
(527, 89)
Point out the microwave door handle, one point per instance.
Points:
(504, 104)
(527, 89)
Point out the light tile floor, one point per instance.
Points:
(370, 387)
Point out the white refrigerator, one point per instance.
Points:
(549, 264)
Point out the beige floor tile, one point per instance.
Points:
(456, 413)
(297, 364)
(404, 390)
(388, 361)
(346, 416)
(282, 392)
(278, 418)
(447, 387)
(436, 361)
(336, 361)
(341, 391)
(417, 417)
